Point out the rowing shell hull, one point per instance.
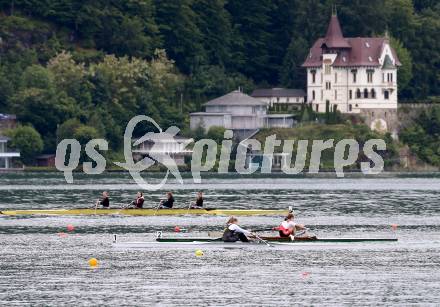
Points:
(209, 243)
(283, 240)
(146, 212)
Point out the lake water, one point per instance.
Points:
(40, 265)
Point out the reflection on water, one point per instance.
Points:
(39, 266)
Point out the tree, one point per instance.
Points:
(404, 74)
(292, 74)
(253, 22)
(28, 141)
(214, 22)
(182, 38)
(67, 129)
(216, 133)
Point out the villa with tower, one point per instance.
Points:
(355, 75)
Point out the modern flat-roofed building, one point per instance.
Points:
(239, 112)
(280, 99)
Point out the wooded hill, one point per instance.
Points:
(97, 63)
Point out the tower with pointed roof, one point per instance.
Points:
(354, 75)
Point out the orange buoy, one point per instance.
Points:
(93, 262)
(70, 227)
(177, 229)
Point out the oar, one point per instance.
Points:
(264, 241)
(157, 208)
(189, 207)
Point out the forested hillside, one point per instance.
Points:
(97, 63)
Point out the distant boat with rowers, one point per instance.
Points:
(148, 212)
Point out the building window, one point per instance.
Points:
(372, 114)
(328, 86)
(278, 99)
(383, 77)
(317, 108)
(336, 78)
(350, 108)
(336, 94)
(354, 72)
(313, 95)
(358, 93)
(370, 76)
(313, 76)
(386, 95)
(365, 93)
(287, 99)
(350, 94)
(373, 93)
(327, 69)
(390, 77)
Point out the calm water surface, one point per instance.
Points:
(38, 266)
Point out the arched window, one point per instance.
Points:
(365, 93)
(386, 94)
(313, 95)
(358, 93)
(373, 93)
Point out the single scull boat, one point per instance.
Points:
(217, 243)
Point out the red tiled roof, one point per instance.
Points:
(334, 37)
(353, 51)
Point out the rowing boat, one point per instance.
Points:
(147, 212)
(283, 239)
(217, 243)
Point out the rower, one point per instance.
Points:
(104, 202)
(138, 203)
(288, 227)
(198, 204)
(168, 202)
(233, 232)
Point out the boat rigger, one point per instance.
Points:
(148, 212)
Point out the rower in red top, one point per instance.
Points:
(138, 203)
(288, 227)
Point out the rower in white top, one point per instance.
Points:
(234, 233)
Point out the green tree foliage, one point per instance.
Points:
(28, 141)
(423, 137)
(216, 133)
(178, 27)
(101, 62)
(405, 74)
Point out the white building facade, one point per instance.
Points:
(354, 75)
(6, 155)
(240, 112)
